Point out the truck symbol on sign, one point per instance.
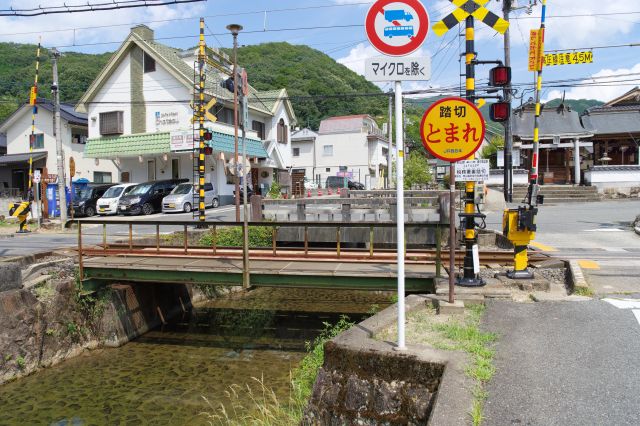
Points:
(397, 15)
(398, 31)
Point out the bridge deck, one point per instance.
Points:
(264, 273)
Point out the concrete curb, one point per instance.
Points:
(576, 277)
(454, 400)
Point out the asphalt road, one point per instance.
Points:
(38, 242)
(598, 235)
(564, 363)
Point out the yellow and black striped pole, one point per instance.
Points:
(201, 161)
(533, 176)
(33, 101)
(469, 277)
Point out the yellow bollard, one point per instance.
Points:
(20, 210)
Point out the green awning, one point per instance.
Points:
(225, 143)
(159, 143)
(128, 145)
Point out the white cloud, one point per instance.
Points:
(602, 85)
(27, 30)
(581, 28)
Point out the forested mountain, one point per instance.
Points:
(303, 71)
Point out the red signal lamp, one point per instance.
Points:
(208, 150)
(208, 136)
(499, 76)
(500, 112)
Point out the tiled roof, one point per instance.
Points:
(351, 123)
(559, 121)
(159, 143)
(613, 120)
(128, 145)
(226, 143)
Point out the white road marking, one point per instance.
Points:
(616, 249)
(624, 303)
(604, 230)
(633, 304)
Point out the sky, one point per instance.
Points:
(336, 27)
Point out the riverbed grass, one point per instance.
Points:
(461, 333)
(264, 408)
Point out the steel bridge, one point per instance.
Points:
(176, 252)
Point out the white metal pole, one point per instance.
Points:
(400, 213)
(576, 161)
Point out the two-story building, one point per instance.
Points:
(350, 146)
(140, 110)
(14, 167)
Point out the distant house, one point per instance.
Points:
(14, 166)
(140, 116)
(616, 142)
(351, 146)
(565, 145)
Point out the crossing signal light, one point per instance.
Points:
(208, 150)
(499, 76)
(208, 135)
(227, 84)
(500, 112)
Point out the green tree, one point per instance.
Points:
(417, 170)
(496, 143)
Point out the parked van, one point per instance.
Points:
(146, 198)
(181, 198)
(85, 198)
(108, 203)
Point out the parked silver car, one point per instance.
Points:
(181, 198)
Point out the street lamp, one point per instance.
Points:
(235, 29)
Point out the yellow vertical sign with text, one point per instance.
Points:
(535, 56)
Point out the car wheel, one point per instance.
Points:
(89, 211)
(147, 209)
(215, 203)
(187, 207)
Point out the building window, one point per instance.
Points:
(296, 152)
(327, 150)
(37, 140)
(79, 136)
(328, 169)
(385, 152)
(224, 115)
(149, 64)
(258, 126)
(282, 131)
(102, 177)
(111, 123)
(125, 177)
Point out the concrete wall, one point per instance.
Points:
(620, 178)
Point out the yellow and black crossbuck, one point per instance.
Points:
(474, 8)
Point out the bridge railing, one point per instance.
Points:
(203, 239)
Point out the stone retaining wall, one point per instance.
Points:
(365, 381)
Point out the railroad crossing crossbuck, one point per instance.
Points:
(473, 8)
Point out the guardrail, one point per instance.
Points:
(153, 246)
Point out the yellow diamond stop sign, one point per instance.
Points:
(452, 129)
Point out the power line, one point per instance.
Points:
(90, 7)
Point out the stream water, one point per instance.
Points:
(174, 374)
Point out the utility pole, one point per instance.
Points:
(508, 135)
(235, 29)
(389, 151)
(57, 130)
(400, 214)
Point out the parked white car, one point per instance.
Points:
(108, 203)
(181, 198)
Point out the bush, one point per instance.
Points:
(259, 236)
(275, 190)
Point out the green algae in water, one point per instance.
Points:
(161, 377)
